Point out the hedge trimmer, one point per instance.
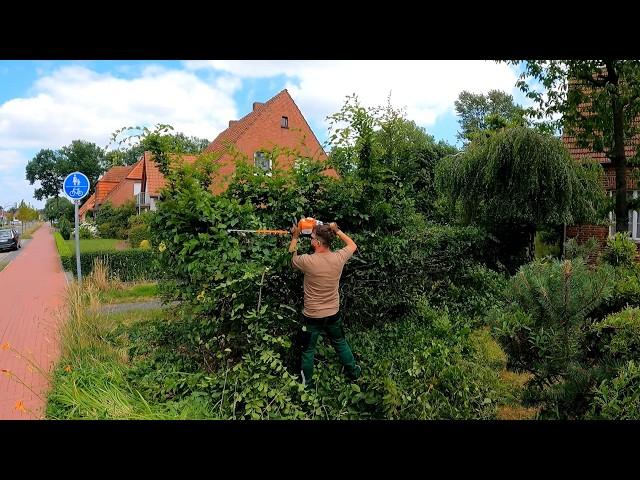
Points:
(305, 225)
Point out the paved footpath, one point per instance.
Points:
(32, 289)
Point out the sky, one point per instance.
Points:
(48, 104)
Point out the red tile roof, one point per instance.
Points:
(238, 127)
(121, 194)
(136, 171)
(116, 174)
(581, 153)
(109, 181)
(87, 205)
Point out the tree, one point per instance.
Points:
(85, 157)
(599, 104)
(57, 208)
(50, 167)
(391, 156)
(178, 142)
(515, 181)
(480, 113)
(45, 168)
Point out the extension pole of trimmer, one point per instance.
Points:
(262, 231)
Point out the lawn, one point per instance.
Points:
(93, 245)
(130, 293)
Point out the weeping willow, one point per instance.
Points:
(520, 178)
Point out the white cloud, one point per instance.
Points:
(428, 89)
(9, 159)
(78, 103)
(75, 102)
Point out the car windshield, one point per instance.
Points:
(5, 234)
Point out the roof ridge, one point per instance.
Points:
(240, 126)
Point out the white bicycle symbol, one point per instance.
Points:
(76, 192)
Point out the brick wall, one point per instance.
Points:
(266, 133)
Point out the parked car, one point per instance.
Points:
(9, 239)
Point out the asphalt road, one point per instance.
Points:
(6, 255)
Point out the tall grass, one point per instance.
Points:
(90, 380)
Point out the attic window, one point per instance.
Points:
(262, 160)
(284, 122)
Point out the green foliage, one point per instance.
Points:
(480, 114)
(61, 245)
(125, 265)
(620, 250)
(619, 333)
(618, 398)
(544, 331)
(50, 167)
(139, 229)
(611, 90)
(65, 228)
(516, 181)
(113, 221)
(57, 208)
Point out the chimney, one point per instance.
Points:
(232, 122)
(256, 105)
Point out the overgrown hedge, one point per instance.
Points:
(126, 265)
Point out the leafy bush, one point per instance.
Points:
(619, 334)
(139, 229)
(113, 221)
(88, 230)
(65, 229)
(620, 250)
(125, 265)
(618, 398)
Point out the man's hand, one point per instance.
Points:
(295, 231)
(334, 227)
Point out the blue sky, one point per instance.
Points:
(47, 104)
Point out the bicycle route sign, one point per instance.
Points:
(76, 185)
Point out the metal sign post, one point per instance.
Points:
(76, 186)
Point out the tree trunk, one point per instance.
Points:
(618, 158)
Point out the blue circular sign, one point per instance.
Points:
(76, 185)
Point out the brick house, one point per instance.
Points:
(601, 232)
(276, 122)
(118, 186)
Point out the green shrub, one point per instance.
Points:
(139, 229)
(65, 228)
(125, 265)
(548, 318)
(113, 221)
(619, 334)
(620, 250)
(618, 398)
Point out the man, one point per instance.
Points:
(321, 315)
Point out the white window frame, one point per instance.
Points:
(267, 171)
(634, 219)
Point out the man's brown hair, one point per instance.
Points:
(325, 235)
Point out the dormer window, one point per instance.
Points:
(284, 122)
(262, 161)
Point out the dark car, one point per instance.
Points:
(9, 239)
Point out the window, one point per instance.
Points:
(262, 160)
(284, 122)
(634, 217)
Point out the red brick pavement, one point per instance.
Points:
(32, 291)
